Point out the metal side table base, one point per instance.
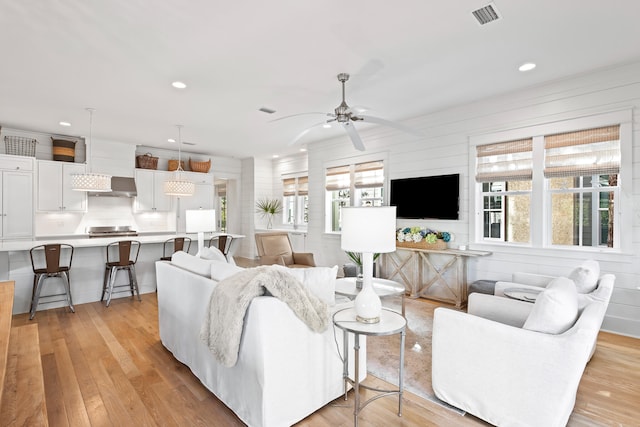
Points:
(390, 323)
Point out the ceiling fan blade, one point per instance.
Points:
(378, 120)
(353, 134)
(299, 114)
(304, 132)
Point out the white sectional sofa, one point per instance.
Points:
(284, 370)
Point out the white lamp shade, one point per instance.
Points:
(369, 229)
(200, 220)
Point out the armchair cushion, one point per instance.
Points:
(556, 308)
(585, 276)
(272, 260)
(303, 258)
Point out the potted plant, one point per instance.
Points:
(268, 208)
(356, 257)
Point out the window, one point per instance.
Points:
(554, 189)
(581, 169)
(358, 184)
(505, 171)
(295, 201)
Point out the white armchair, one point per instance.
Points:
(485, 363)
(586, 277)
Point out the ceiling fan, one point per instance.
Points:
(346, 117)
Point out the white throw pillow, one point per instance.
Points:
(220, 270)
(586, 276)
(192, 263)
(555, 309)
(212, 253)
(320, 281)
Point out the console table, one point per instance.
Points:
(439, 274)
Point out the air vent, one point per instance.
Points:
(486, 14)
(267, 110)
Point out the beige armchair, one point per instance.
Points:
(275, 248)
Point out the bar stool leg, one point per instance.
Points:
(105, 281)
(36, 297)
(67, 286)
(112, 281)
(134, 280)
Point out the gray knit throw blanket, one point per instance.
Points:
(222, 327)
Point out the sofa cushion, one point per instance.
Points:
(555, 309)
(212, 253)
(585, 276)
(321, 281)
(192, 263)
(220, 270)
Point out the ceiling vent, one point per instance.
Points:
(486, 14)
(267, 110)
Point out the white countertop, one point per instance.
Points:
(83, 241)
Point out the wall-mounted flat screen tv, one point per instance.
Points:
(426, 197)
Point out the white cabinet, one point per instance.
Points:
(150, 189)
(54, 187)
(202, 197)
(16, 174)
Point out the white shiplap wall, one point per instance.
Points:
(445, 149)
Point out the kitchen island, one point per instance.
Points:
(87, 268)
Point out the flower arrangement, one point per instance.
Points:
(425, 237)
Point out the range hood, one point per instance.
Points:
(121, 186)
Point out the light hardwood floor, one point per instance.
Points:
(106, 366)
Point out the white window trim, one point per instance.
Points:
(538, 220)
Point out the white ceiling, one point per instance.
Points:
(406, 58)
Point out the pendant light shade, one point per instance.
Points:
(94, 182)
(179, 185)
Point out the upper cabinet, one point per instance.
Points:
(16, 183)
(150, 188)
(54, 187)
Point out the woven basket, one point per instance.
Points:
(423, 244)
(63, 150)
(200, 166)
(173, 165)
(20, 146)
(147, 161)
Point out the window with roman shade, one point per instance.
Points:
(295, 191)
(505, 161)
(338, 178)
(585, 152)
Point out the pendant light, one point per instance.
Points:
(89, 181)
(179, 185)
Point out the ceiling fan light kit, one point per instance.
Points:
(346, 116)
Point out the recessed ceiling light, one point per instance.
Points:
(303, 149)
(326, 125)
(67, 124)
(171, 140)
(275, 156)
(178, 85)
(527, 66)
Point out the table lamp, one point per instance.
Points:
(199, 221)
(368, 230)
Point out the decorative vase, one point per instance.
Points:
(367, 303)
(269, 221)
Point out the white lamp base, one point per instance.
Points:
(367, 302)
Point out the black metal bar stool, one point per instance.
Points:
(121, 255)
(47, 261)
(178, 244)
(224, 243)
